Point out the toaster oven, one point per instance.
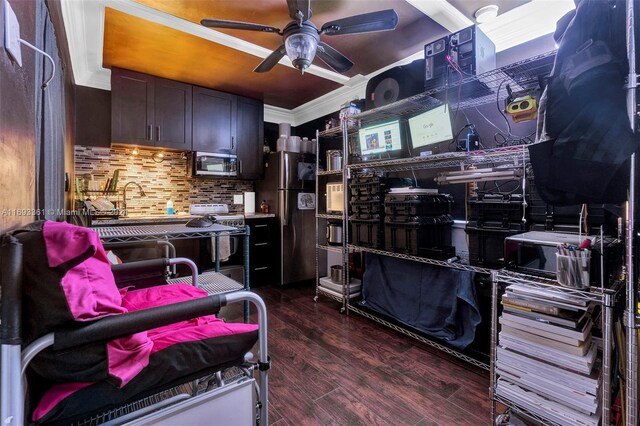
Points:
(335, 198)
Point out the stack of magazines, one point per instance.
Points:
(547, 361)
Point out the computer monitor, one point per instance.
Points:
(430, 128)
(380, 140)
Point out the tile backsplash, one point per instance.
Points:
(168, 180)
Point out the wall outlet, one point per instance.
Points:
(238, 199)
(12, 33)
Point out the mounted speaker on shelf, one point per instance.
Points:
(395, 84)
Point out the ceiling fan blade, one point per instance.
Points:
(304, 6)
(271, 60)
(382, 20)
(238, 25)
(333, 58)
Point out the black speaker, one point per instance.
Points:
(395, 84)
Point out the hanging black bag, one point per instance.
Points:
(584, 139)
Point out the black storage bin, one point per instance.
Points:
(486, 244)
(370, 185)
(496, 209)
(423, 232)
(367, 232)
(549, 217)
(365, 209)
(417, 205)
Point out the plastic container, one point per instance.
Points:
(170, 210)
(573, 270)
(367, 233)
(486, 244)
(411, 236)
(417, 205)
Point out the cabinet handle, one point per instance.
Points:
(149, 132)
(261, 269)
(240, 166)
(232, 142)
(261, 226)
(158, 133)
(260, 244)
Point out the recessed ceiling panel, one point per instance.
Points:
(143, 46)
(369, 52)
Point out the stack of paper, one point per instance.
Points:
(546, 358)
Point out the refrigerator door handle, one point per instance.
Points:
(284, 213)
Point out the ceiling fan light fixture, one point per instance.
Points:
(301, 47)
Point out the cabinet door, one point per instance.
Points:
(131, 107)
(214, 121)
(264, 250)
(172, 116)
(249, 134)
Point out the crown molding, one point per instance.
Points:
(443, 13)
(274, 114)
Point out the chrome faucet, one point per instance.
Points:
(124, 195)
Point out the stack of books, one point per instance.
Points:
(547, 361)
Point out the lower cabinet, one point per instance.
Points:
(263, 251)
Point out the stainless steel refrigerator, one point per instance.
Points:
(289, 188)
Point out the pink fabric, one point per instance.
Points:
(91, 293)
(163, 337)
(54, 396)
(185, 331)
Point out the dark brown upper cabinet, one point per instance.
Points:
(151, 111)
(250, 133)
(214, 121)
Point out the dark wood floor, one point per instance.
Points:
(333, 369)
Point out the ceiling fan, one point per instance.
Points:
(301, 38)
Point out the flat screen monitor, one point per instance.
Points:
(380, 139)
(431, 127)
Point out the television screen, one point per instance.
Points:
(431, 127)
(380, 138)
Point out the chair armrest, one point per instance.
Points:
(123, 271)
(116, 326)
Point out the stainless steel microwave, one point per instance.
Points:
(214, 164)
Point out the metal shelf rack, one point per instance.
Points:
(323, 217)
(468, 92)
(511, 154)
(475, 91)
(606, 297)
(418, 337)
(452, 265)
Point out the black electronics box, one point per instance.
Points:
(469, 48)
